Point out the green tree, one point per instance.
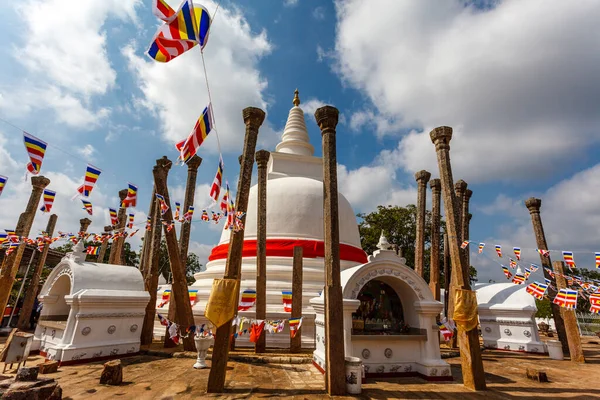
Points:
(164, 265)
(544, 309)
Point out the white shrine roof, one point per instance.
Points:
(504, 296)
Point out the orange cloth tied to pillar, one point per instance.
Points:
(465, 309)
(221, 304)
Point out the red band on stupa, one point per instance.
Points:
(285, 248)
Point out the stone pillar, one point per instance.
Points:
(335, 381)
(296, 342)
(459, 189)
(472, 364)
(152, 275)
(12, 262)
(422, 178)
(146, 242)
(31, 294)
(434, 265)
(466, 218)
(447, 277)
(569, 318)
(262, 159)
(84, 223)
(116, 249)
(253, 119)
(534, 205)
(104, 245)
(179, 288)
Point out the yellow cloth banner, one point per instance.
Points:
(465, 309)
(221, 303)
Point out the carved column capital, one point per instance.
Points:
(262, 158)
(84, 223)
(441, 137)
(468, 194)
(108, 229)
(39, 182)
(123, 194)
(436, 185)
(194, 162)
(460, 187)
(422, 177)
(533, 205)
(253, 117)
(327, 118)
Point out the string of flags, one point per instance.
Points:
(257, 326)
(176, 331)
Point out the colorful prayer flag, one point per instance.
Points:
(527, 273)
(177, 215)
(205, 216)
(568, 257)
(93, 250)
(286, 296)
(464, 244)
(512, 263)
(48, 199)
(597, 259)
(566, 298)
(3, 180)
(595, 303)
(130, 223)
(549, 271)
(87, 206)
(506, 272)
(295, 324)
(517, 251)
(543, 253)
(499, 250)
(193, 294)
(162, 10)
(225, 200)
(534, 267)
(537, 290)
(481, 246)
(248, 300)
(163, 204)
(91, 176)
(182, 31)
(131, 199)
(188, 147)
(114, 218)
(518, 279)
(215, 189)
(36, 149)
(165, 298)
(189, 214)
(148, 223)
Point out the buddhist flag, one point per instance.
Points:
(549, 271)
(598, 260)
(566, 298)
(189, 214)
(148, 223)
(248, 300)
(225, 199)
(205, 216)
(93, 250)
(177, 215)
(595, 303)
(517, 251)
(87, 206)
(543, 253)
(131, 199)
(36, 149)
(481, 246)
(295, 324)
(512, 263)
(130, 223)
(3, 180)
(506, 272)
(193, 294)
(114, 218)
(534, 267)
(537, 290)
(568, 257)
(49, 196)
(464, 244)
(181, 31)
(91, 176)
(527, 273)
(3, 238)
(188, 147)
(287, 300)
(215, 189)
(165, 297)
(163, 204)
(518, 279)
(499, 250)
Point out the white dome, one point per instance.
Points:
(295, 211)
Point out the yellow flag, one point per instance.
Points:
(465, 309)
(221, 303)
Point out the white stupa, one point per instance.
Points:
(294, 218)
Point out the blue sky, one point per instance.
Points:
(521, 95)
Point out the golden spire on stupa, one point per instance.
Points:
(296, 100)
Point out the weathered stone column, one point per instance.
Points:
(31, 294)
(104, 244)
(179, 288)
(116, 249)
(459, 189)
(262, 159)
(12, 262)
(447, 277)
(296, 342)
(472, 364)
(534, 205)
(253, 119)
(569, 318)
(146, 242)
(466, 218)
(335, 382)
(422, 178)
(152, 275)
(434, 265)
(84, 224)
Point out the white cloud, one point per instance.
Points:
(202, 251)
(290, 3)
(87, 151)
(383, 126)
(309, 107)
(519, 95)
(176, 91)
(319, 13)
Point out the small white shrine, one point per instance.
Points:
(389, 319)
(507, 317)
(90, 311)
